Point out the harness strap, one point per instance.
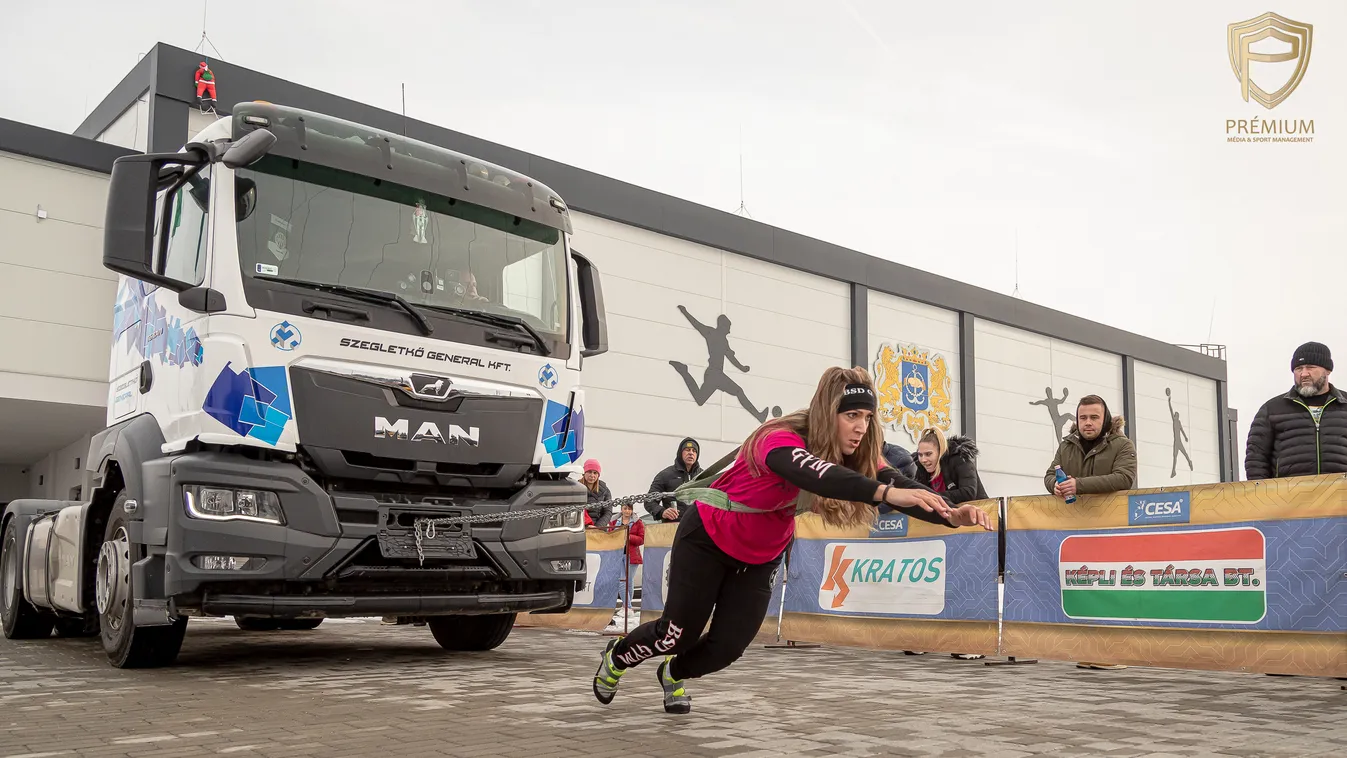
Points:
(700, 491)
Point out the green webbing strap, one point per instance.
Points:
(699, 490)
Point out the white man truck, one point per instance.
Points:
(323, 333)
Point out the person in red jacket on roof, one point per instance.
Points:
(205, 83)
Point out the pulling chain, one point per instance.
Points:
(424, 528)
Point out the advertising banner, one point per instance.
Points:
(596, 602)
(1245, 576)
(902, 584)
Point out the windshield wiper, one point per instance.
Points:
(497, 319)
(378, 296)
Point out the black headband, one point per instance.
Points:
(857, 396)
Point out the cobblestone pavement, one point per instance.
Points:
(356, 688)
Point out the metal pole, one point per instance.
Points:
(626, 582)
(1003, 512)
(781, 608)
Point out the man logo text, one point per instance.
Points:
(427, 432)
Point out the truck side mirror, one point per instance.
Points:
(128, 229)
(595, 326)
(249, 149)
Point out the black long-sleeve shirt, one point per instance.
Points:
(819, 477)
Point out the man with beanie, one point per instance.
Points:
(1303, 432)
(1097, 458)
(684, 469)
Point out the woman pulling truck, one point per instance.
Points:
(725, 551)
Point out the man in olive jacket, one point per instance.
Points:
(1097, 456)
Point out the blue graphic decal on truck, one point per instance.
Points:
(254, 402)
(563, 433)
(149, 330)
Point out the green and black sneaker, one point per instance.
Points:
(676, 697)
(607, 677)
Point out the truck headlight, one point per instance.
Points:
(228, 504)
(570, 521)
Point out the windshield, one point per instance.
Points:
(318, 224)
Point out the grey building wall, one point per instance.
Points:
(55, 306)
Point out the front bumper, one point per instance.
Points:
(381, 605)
(326, 559)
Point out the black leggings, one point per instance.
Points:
(702, 577)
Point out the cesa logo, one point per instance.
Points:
(1161, 508)
(890, 525)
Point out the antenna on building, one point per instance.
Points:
(404, 109)
(1016, 293)
(201, 46)
(742, 210)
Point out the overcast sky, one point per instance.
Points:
(935, 134)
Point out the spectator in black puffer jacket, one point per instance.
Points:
(949, 466)
(685, 468)
(1303, 432)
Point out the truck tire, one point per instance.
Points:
(256, 624)
(471, 632)
(299, 625)
(20, 619)
(128, 646)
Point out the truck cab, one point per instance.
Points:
(324, 332)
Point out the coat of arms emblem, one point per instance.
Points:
(913, 386)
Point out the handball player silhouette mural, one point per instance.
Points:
(717, 352)
(1178, 444)
(1059, 419)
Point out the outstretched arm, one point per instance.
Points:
(814, 475)
(892, 476)
(699, 326)
(730, 356)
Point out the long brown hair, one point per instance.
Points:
(934, 436)
(820, 418)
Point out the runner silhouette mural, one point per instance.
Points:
(714, 379)
(1178, 432)
(1054, 406)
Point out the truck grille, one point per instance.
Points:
(368, 561)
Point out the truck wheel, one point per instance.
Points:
(20, 619)
(126, 645)
(75, 627)
(256, 624)
(471, 632)
(299, 625)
